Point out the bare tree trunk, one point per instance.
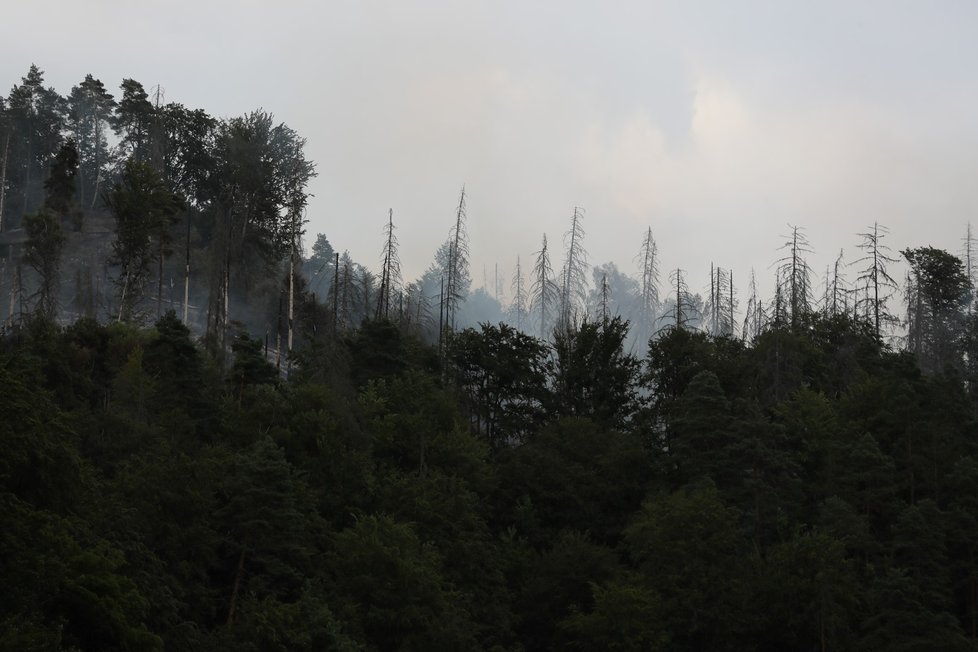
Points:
(236, 588)
(3, 176)
(441, 321)
(159, 280)
(278, 336)
(336, 292)
(186, 277)
(291, 301)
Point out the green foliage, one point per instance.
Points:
(144, 209)
(594, 377)
(152, 500)
(687, 547)
(502, 375)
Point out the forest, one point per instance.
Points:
(213, 439)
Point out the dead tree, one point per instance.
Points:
(648, 260)
(794, 291)
(518, 308)
(573, 293)
(544, 293)
(390, 276)
(880, 286)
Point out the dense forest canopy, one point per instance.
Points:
(216, 436)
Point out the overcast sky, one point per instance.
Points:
(715, 123)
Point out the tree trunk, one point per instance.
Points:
(236, 588)
(3, 176)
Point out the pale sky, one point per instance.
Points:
(715, 123)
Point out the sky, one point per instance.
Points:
(715, 124)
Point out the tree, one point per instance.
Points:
(878, 281)
(688, 548)
(835, 301)
(755, 318)
(614, 293)
(144, 208)
(91, 111)
(45, 235)
(258, 196)
(501, 372)
(573, 276)
(134, 122)
(684, 310)
(37, 119)
(544, 293)
(593, 376)
(648, 259)
(185, 142)
(457, 279)
(319, 266)
(519, 307)
(938, 291)
(390, 275)
(970, 261)
(722, 302)
(262, 514)
(794, 278)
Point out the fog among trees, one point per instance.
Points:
(220, 431)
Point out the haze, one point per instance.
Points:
(716, 123)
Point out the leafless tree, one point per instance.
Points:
(544, 294)
(879, 285)
(648, 260)
(457, 279)
(390, 276)
(518, 308)
(794, 278)
(573, 293)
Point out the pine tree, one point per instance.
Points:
(37, 118)
(390, 275)
(754, 319)
(878, 282)
(91, 110)
(968, 252)
(457, 279)
(794, 279)
(518, 308)
(544, 294)
(44, 228)
(648, 259)
(683, 311)
(573, 294)
(134, 122)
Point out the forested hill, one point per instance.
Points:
(208, 442)
(812, 491)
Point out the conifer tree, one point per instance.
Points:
(573, 293)
(754, 319)
(648, 259)
(968, 252)
(134, 121)
(683, 309)
(518, 308)
(37, 117)
(44, 228)
(794, 278)
(91, 110)
(877, 281)
(457, 279)
(544, 294)
(390, 275)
